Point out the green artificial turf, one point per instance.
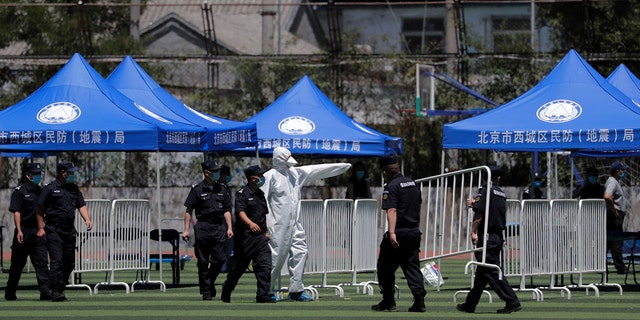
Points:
(184, 301)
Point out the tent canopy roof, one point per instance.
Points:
(221, 134)
(572, 108)
(305, 121)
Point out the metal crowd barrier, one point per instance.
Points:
(341, 237)
(119, 241)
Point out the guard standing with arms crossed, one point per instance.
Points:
(23, 204)
(400, 245)
(212, 203)
(251, 238)
(496, 224)
(57, 206)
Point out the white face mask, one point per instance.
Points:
(291, 162)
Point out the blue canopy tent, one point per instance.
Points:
(572, 108)
(221, 134)
(623, 79)
(72, 111)
(78, 110)
(305, 121)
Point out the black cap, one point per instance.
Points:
(619, 166)
(225, 170)
(66, 166)
(592, 171)
(210, 165)
(388, 160)
(33, 168)
(254, 171)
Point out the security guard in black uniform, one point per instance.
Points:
(57, 206)
(23, 205)
(212, 203)
(400, 246)
(251, 238)
(496, 225)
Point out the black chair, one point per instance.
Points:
(173, 237)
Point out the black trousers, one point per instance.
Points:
(61, 243)
(615, 246)
(210, 253)
(490, 276)
(34, 247)
(248, 248)
(406, 256)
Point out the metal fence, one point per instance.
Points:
(118, 242)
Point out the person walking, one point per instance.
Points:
(400, 246)
(496, 225)
(57, 205)
(616, 210)
(251, 238)
(282, 188)
(212, 204)
(26, 243)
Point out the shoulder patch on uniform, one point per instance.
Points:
(499, 193)
(407, 184)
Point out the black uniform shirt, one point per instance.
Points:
(210, 202)
(403, 194)
(61, 201)
(24, 199)
(497, 209)
(254, 205)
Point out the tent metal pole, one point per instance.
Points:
(159, 213)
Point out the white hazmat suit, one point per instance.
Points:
(282, 188)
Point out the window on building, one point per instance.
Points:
(511, 34)
(423, 35)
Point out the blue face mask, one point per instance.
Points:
(360, 174)
(537, 184)
(227, 179)
(71, 178)
(261, 182)
(623, 174)
(216, 176)
(592, 179)
(36, 179)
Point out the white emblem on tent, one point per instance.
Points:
(558, 111)
(296, 125)
(58, 113)
(151, 114)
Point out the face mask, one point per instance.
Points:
(537, 184)
(261, 182)
(216, 176)
(227, 179)
(291, 162)
(71, 178)
(36, 179)
(623, 174)
(360, 174)
(592, 179)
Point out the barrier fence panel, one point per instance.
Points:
(513, 248)
(92, 254)
(364, 241)
(129, 250)
(447, 222)
(592, 237)
(337, 245)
